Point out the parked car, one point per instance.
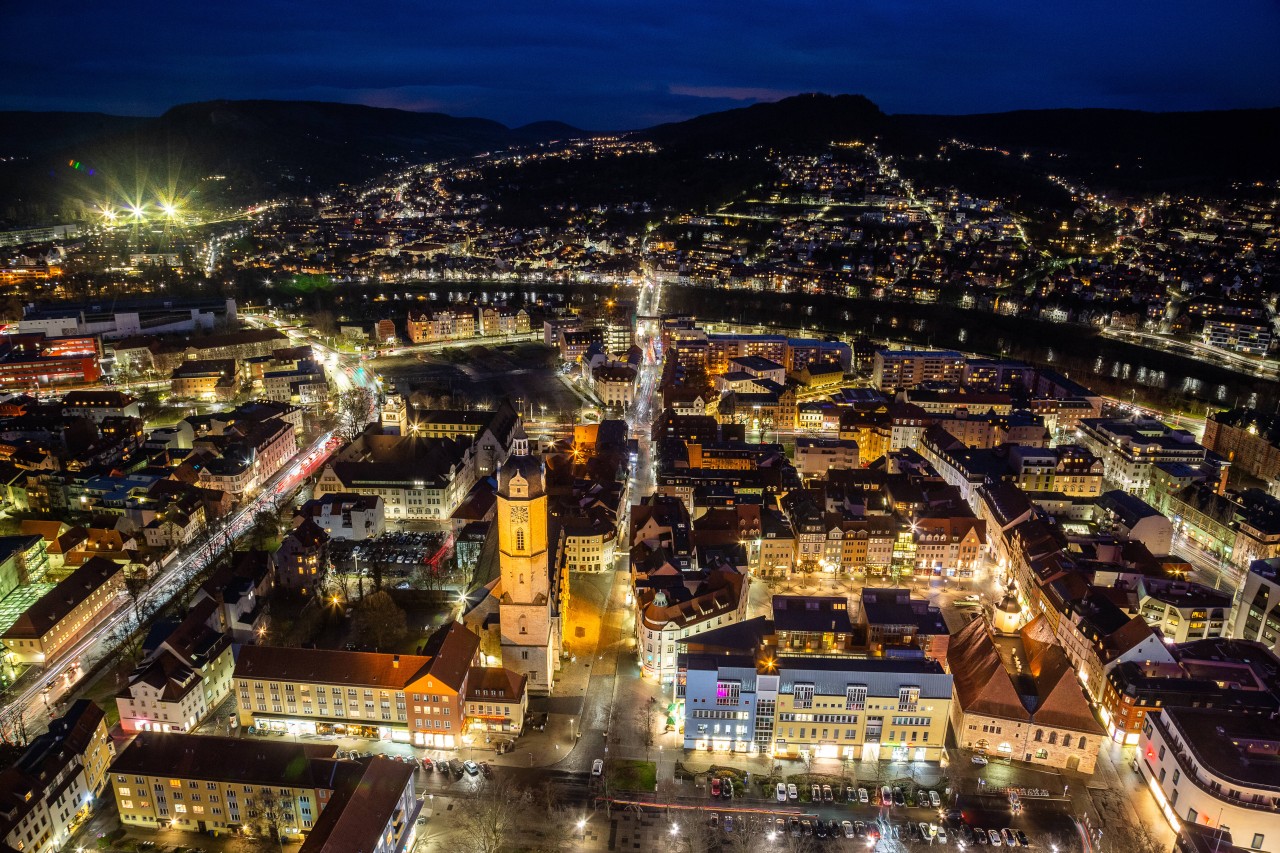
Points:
(862, 795)
(792, 793)
(471, 767)
(597, 767)
(782, 793)
(795, 826)
(995, 837)
(886, 797)
(934, 799)
(728, 823)
(924, 831)
(1022, 838)
(980, 836)
(913, 831)
(726, 786)
(779, 826)
(1010, 840)
(715, 786)
(847, 827)
(859, 829)
(898, 798)
(942, 834)
(980, 760)
(486, 770)
(806, 826)
(821, 828)
(815, 793)
(715, 821)
(427, 765)
(826, 794)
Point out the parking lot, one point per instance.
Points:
(396, 555)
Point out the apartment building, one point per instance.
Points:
(56, 781)
(67, 612)
(1129, 448)
(418, 699)
(204, 783)
(893, 369)
(815, 456)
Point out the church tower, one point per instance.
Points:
(395, 415)
(520, 440)
(529, 625)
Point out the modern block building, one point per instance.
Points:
(1216, 770)
(824, 707)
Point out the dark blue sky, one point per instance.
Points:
(622, 64)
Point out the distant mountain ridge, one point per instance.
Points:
(261, 148)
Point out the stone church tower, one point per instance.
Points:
(526, 612)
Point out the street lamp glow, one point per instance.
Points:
(137, 210)
(168, 209)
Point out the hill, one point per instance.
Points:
(799, 121)
(256, 148)
(260, 149)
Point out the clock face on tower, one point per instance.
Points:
(520, 514)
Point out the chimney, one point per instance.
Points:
(395, 661)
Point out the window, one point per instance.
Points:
(727, 692)
(855, 697)
(1257, 841)
(1082, 741)
(1039, 735)
(803, 696)
(908, 698)
(1053, 738)
(519, 538)
(1066, 740)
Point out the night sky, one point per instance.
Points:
(610, 64)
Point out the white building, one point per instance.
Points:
(666, 615)
(1215, 769)
(816, 456)
(1257, 611)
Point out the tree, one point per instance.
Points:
(270, 813)
(691, 832)
(378, 621)
(486, 821)
(353, 409)
(13, 727)
(646, 722)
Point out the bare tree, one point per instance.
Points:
(486, 821)
(270, 814)
(353, 409)
(691, 832)
(646, 721)
(13, 727)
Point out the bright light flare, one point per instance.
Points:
(137, 211)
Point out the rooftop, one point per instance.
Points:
(223, 759)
